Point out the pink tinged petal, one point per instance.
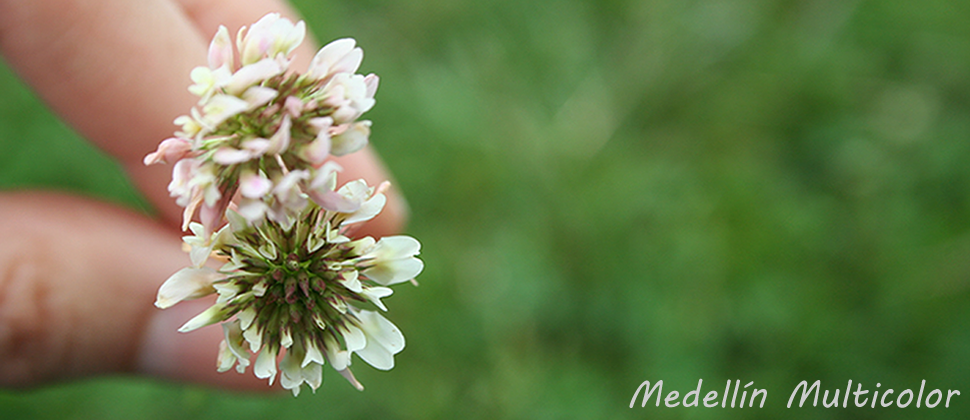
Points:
(220, 49)
(268, 37)
(348, 93)
(329, 55)
(265, 366)
(325, 178)
(293, 106)
(371, 81)
(320, 123)
(351, 139)
(211, 216)
(374, 295)
(288, 185)
(169, 150)
(215, 313)
(250, 43)
(252, 210)
(333, 201)
(257, 96)
(181, 174)
(281, 140)
(187, 283)
(368, 210)
(230, 156)
(253, 74)
(354, 338)
(349, 376)
(254, 185)
(256, 146)
(317, 151)
(189, 211)
(335, 96)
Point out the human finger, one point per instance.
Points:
(76, 293)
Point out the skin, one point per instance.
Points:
(78, 277)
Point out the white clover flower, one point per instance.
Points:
(297, 291)
(257, 118)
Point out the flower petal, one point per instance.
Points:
(329, 55)
(395, 271)
(254, 185)
(215, 313)
(374, 295)
(187, 283)
(354, 338)
(265, 366)
(379, 329)
(313, 355)
(220, 49)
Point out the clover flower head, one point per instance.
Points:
(306, 292)
(251, 164)
(259, 117)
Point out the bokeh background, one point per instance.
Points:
(614, 191)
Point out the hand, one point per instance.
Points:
(78, 277)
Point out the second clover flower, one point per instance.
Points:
(260, 121)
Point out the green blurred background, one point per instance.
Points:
(616, 191)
